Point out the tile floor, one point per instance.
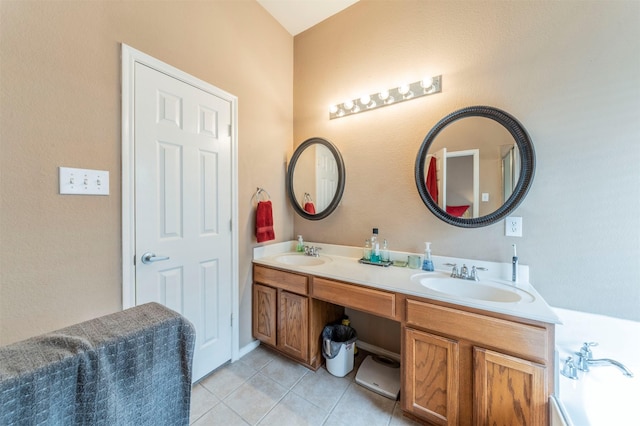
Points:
(264, 388)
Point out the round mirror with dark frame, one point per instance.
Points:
(315, 179)
(487, 158)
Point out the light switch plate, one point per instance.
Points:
(513, 226)
(485, 197)
(83, 181)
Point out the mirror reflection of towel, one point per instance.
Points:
(457, 211)
(432, 180)
(309, 208)
(264, 222)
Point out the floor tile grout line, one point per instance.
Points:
(218, 401)
(336, 404)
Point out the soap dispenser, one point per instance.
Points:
(427, 263)
(300, 245)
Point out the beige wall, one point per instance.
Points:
(569, 71)
(60, 256)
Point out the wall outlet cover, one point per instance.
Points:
(513, 226)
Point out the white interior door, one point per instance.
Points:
(326, 177)
(441, 173)
(183, 199)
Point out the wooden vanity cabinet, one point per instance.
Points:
(431, 377)
(508, 390)
(466, 368)
(286, 318)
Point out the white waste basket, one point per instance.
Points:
(341, 364)
(338, 345)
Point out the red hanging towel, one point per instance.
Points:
(264, 222)
(309, 208)
(457, 211)
(432, 180)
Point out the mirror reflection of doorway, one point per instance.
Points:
(326, 177)
(458, 182)
(510, 170)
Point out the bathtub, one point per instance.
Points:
(602, 396)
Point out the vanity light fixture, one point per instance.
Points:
(404, 92)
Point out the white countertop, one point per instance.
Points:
(342, 264)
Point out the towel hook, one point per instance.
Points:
(307, 198)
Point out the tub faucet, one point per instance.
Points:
(585, 359)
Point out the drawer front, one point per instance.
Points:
(285, 280)
(376, 302)
(523, 340)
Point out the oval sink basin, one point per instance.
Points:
(480, 290)
(301, 260)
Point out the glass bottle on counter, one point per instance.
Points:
(384, 253)
(375, 246)
(366, 255)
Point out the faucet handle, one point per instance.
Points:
(454, 269)
(569, 370)
(585, 350)
(474, 272)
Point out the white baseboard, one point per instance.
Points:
(377, 350)
(363, 345)
(248, 348)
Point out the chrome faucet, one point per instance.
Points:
(312, 251)
(585, 360)
(464, 273)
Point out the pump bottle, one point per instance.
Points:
(427, 263)
(300, 245)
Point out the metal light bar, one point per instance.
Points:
(424, 87)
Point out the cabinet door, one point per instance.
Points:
(431, 377)
(508, 390)
(293, 328)
(264, 314)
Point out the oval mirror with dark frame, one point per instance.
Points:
(475, 166)
(315, 179)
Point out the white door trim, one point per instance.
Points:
(129, 58)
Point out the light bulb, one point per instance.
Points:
(348, 104)
(403, 89)
(426, 82)
(384, 94)
(333, 109)
(365, 99)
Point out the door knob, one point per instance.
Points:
(149, 257)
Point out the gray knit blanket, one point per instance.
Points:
(129, 368)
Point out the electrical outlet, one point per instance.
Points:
(513, 226)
